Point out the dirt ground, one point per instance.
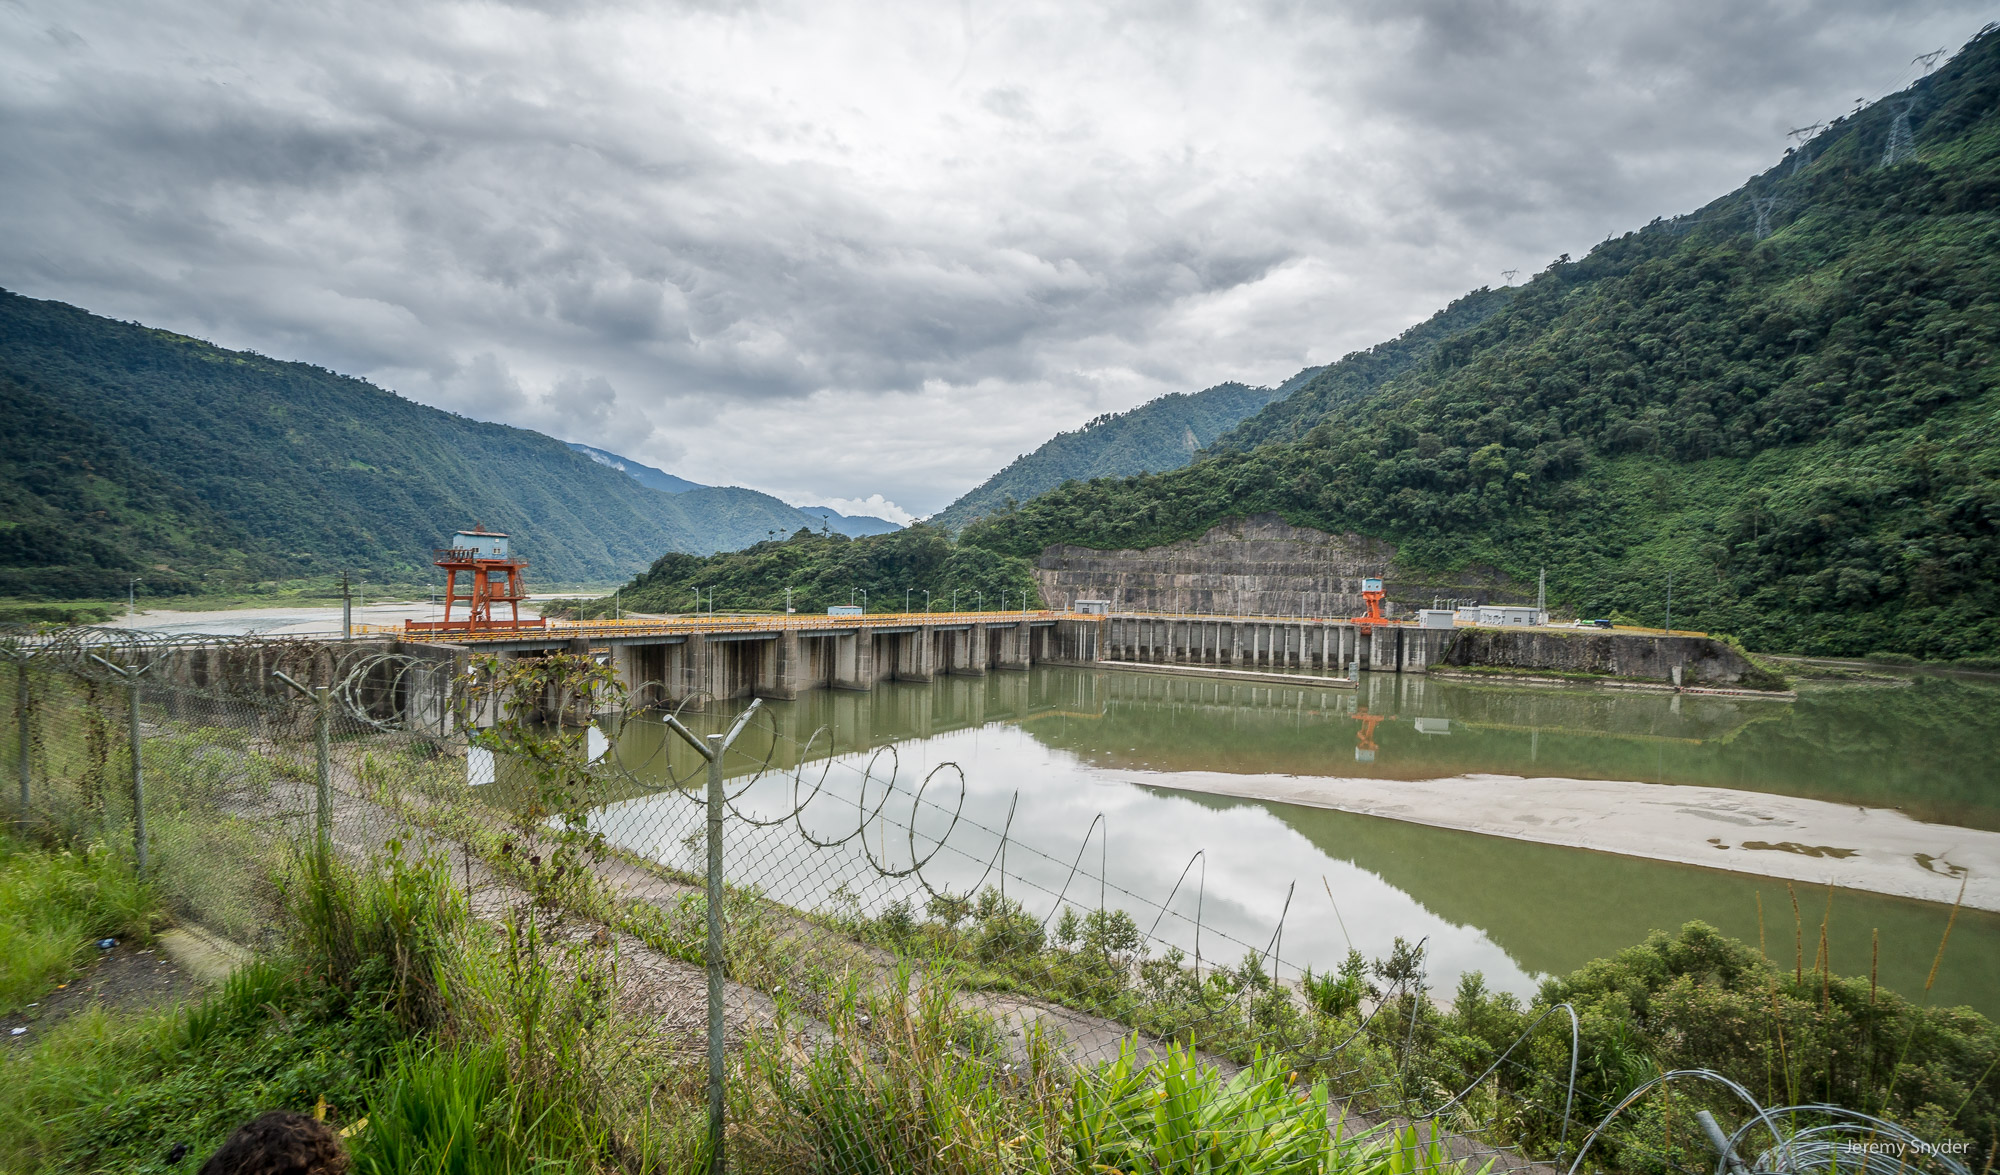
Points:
(125, 978)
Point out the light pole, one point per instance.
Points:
(927, 602)
(979, 601)
(906, 601)
(132, 597)
(954, 599)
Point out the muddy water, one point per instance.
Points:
(1078, 768)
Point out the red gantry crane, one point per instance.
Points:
(493, 576)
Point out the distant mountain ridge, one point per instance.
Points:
(639, 471)
(132, 453)
(852, 525)
(1156, 436)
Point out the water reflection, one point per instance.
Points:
(1073, 744)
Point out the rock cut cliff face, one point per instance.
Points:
(1260, 565)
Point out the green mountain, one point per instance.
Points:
(1784, 401)
(129, 452)
(852, 525)
(1158, 435)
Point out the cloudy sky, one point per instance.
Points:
(841, 251)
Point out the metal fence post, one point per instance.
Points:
(711, 749)
(323, 823)
(22, 710)
(714, 952)
(322, 697)
(138, 776)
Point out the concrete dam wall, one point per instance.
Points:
(1259, 566)
(1700, 660)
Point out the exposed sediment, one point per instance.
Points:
(1802, 840)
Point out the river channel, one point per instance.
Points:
(1097, 778)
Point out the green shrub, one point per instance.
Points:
(1180, 1115)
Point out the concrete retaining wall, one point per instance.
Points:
(1701, 660)
(1259, 566)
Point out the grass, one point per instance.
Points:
(54, 905)
(106, 1092)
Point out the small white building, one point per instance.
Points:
(1092, 607)
(1436, 618)
(844, 610)
(1509, 615)
(1469, 614)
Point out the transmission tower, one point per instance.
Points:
(1928, 60)
(1902, 144)
(1763, 207)
(1802, 154)
(1510, 275)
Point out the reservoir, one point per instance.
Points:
(1075, 786)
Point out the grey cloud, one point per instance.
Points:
(559, 216)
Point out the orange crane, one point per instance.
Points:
(1372, 596)
(1364, 738)
(493, 576)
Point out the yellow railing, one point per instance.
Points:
(720, 622)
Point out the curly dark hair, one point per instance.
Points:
(279, 1142)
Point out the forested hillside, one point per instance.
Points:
(128, 452)
(1359, 374)
(1785, 401)
(1158, 435)
(882, 571)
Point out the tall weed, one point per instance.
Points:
(53, 905)
(906, 1083)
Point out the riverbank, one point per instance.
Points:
(1807, 841)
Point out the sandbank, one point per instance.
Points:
(1816, 842)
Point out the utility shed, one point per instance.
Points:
(1509, 614)
(1436, 618)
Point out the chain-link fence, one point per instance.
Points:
(823, 963)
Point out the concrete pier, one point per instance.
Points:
(688, 661)
(1330, 647)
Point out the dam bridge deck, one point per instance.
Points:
(669, 660)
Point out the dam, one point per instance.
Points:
(669, 661)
